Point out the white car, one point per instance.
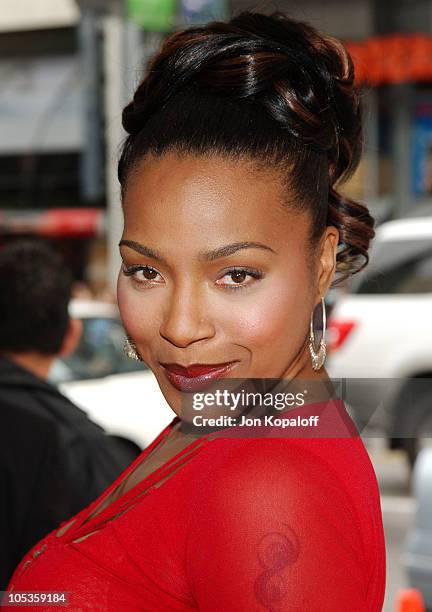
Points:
(417, 550)
(118, 393)
(380, 336)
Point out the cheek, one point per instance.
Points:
(277, 316)
(138, 314)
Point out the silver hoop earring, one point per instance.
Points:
(130, 350)
(318, 356)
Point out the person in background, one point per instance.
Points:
(54, 460)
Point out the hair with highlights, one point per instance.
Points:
(269, 89)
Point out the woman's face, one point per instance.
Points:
(217, 270)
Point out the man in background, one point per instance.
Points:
(54, 460)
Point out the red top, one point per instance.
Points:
(246, 524)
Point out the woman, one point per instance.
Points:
(237, 137)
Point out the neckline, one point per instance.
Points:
(81, 517)
(147, 483)
(98, 521)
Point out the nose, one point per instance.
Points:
(186, 318)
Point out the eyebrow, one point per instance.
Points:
(223, 251)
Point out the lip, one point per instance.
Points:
(195, 376)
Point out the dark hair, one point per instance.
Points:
(266, 88)
(34, 297)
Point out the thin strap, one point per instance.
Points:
(81, 516)
(145, 483)
(133, 496)
(160, 473)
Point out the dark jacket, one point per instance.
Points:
(54, 461)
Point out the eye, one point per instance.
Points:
(142, 275)
(238, 276)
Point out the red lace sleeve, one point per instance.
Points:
(273, 529)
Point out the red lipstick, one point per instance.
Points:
(196, 376)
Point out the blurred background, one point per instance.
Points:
(67, 68)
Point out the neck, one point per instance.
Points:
(37, 363)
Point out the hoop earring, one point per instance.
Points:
(319, 356)
(130, 350)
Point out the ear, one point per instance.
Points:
(327, 259)
(72, 337)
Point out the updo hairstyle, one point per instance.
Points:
(268, 89)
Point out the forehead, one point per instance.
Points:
(176, 195)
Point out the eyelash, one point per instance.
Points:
(256, 274)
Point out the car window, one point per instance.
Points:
(99, 353)
(397, 267)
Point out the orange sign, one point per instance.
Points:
(396, 58)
